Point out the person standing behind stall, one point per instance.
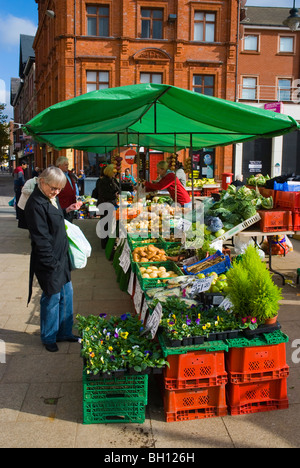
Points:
(167, 181)
(107, 189)
(49, 260)
(19, 181)
(67, 195)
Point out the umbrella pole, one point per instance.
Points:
(138, 169)
(191, 156)
(175, 171)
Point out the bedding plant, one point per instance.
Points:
(117, 344)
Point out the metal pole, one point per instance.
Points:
(192, 169)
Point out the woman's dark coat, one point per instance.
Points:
(49, 255)
(107, 190)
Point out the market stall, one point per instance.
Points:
(167, 118)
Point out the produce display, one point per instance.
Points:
(156, 272)
(186, 289)
(258, 180)
(198, 183)
(149, 253)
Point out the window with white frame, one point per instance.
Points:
(204, 26)
(286, 44)
(151, 78)
(97, 80)
(284, 91)
(249, 88)
(251, 43)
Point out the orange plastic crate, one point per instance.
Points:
(275, 220)
(265, 192)
(296, 221)
(206, 192)
(257, 397)
(256, 363)
(195, 368)
(288, 200)
(198, 403)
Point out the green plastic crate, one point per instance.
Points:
(114, 410)
(159, 245)
(148, 283)
(127, 387)
(133, 241)
(264, 339)
(208, 346)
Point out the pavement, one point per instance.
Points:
(41, 392)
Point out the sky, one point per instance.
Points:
(21, 17)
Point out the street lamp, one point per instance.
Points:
(293, 20)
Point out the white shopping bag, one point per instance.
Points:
(79, 247)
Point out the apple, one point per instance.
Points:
(201, 275)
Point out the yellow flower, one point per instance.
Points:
(110, 348)
(92, 355)
(128, 350)
(124, 335)
(90, 350)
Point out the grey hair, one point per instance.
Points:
(53, 176)
(61, 160)
(239, 177)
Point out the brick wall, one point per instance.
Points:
(124, 54)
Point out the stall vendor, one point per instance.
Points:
(167, 182)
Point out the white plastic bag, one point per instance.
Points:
(79, 247)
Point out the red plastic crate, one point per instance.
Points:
(265, 192)
(288, 200)
(257, 363)
(257, 397)
(195, 369)
(206, 192)
(198, 403)
(275, 220)
(296, 221)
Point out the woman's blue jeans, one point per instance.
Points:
(57, 315)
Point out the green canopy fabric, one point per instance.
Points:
(155, 116)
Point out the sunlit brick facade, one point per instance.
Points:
(189, 44)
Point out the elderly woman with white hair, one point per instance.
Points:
(68, 194)
(49, 259)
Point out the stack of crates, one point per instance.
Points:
(257, 378)
(194, 386)
(115, 399)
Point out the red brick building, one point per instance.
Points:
(83, 45)
(269, 76)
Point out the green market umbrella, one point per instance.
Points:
(155, 116)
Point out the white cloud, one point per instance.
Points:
(11, 27)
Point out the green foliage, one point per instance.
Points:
(117, 343)
(251, 288)
(4, 131)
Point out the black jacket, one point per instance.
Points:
(49, 255)
(107, 190)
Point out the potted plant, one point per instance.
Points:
(251, 290)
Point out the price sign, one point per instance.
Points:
(154, 320)
(201, 285)
(144, 311)
(131, 283)
(138, 297)
(226, 304)
(183, 224)
(124, 259)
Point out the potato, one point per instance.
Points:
(143, 270)
(143, 259)
(145, 275)
(162, 268)
(154, 268)
(153, 275)
(164, 274)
